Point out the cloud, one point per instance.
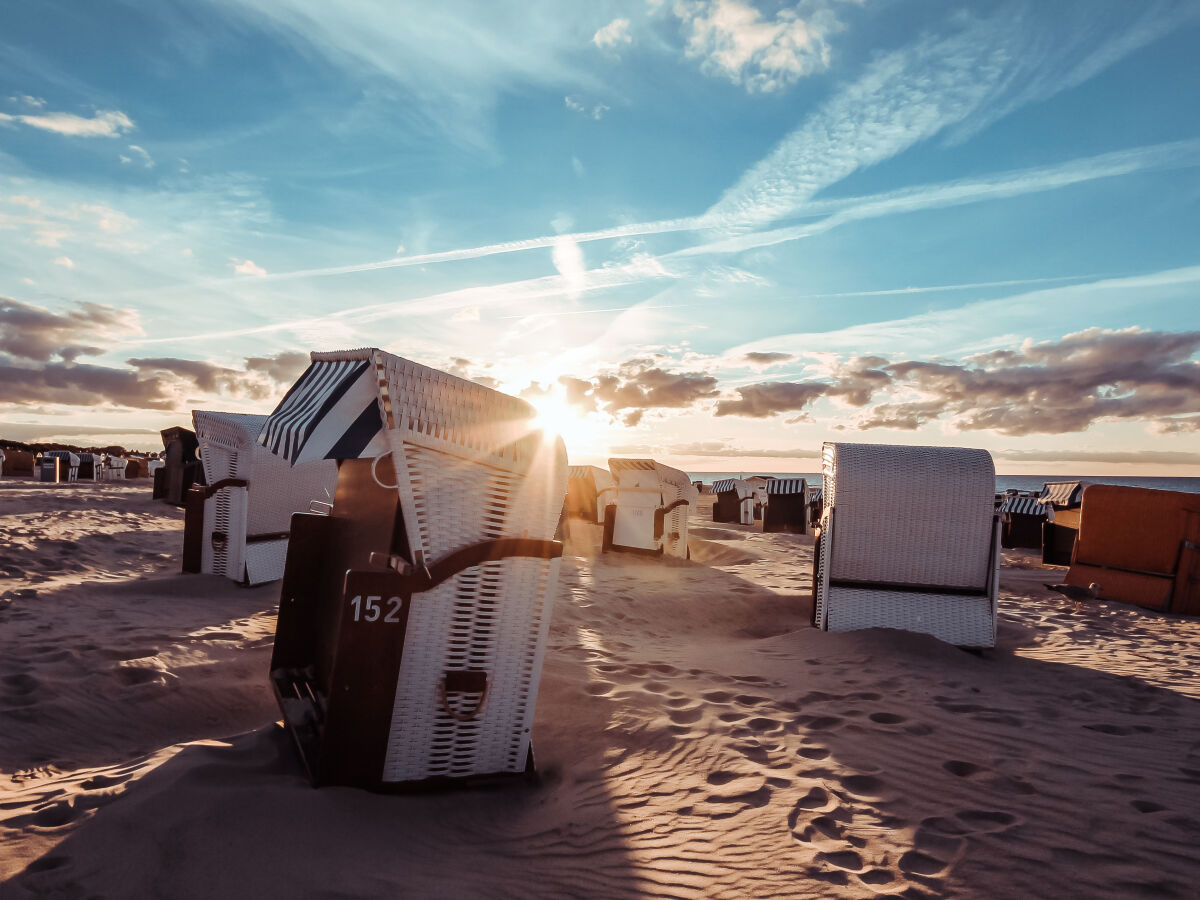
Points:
(612, 35)
(732, 40)
(105, 123)
(1157, 457)
(637, 386)
(82, 385)
(65, 261)
(142, 156)
(760, 358)
(247, 267)
(568, 260)
(1049, 387)
(596, 112)
(283, 368)
(36, 334)
(719, 450)
(977, 69)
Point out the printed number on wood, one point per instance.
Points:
(370, 608)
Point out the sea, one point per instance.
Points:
(1003, 482)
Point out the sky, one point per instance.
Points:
(714, 232)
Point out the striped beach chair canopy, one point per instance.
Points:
(786, 486)
(1063, 494)
(1023, 506)
(815, 494)
(345, 401)
(742, 488)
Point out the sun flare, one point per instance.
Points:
(583, 434)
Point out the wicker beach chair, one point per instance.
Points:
(651, 508)
(115, 468)
(910, 540)
(182, 469)
(787, 505)
(18, 462)
(3, 472)
(735, 501)
(237, 524)
(414, 613)
(590, 490)
(58, 466)
(91, 467)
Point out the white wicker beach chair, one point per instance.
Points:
(414, 615)
(114, 468)
(153, 465)
(237, 524)
(91, 467)
(651, 508)
(909, 540)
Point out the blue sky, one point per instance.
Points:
(712, 231)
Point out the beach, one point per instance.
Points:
(695, 736)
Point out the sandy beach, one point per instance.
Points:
(695, 737)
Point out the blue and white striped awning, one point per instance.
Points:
(331, 412)
(1023, 506)
(725, 484)
(1063, 493)
(786, 486)
(815, 494)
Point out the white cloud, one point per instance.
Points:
(613, 34)
(247, 267)
(574, 105)
(105, 123)
(577, 166)
(596, 112)
(568, 260)
(734, 41)
(65, 261)
(143, 157)
(35, 102)
(399, 249)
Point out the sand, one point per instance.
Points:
(695, 737)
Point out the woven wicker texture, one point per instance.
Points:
(642, 486)
(910, 515)
(468, 469)
(229, 448)
(879, 525)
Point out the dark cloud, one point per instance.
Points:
(284, 367)
(758, 401)
(1050, 388)
(207, 377)
(639, 385)
(83, 385)
(36, 334)
(767, 358)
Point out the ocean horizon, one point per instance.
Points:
(1003, 482)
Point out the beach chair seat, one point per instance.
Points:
(649, 514)
(115, 468)
(910, 540)
(237, 523)
(787, 505)
(415, 611)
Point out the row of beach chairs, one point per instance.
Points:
(412, 517)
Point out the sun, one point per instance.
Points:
(582, 433)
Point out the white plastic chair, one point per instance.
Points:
(909, 540)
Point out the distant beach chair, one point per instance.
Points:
(590, 490)
(181, 470)
(237, 523)
(17, 462)
(910, 540)
(153, 465)
(1022, 521)
(115, 468)
(1140, 546)
(91, 467)
(735, 501)
(3, 470)
(651, 508)
(787, 505)
(1061, 500)
(414, 614)
(59, 466)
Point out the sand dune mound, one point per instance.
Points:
(695, 738)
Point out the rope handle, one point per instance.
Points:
(375, 473)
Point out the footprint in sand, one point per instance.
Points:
(886, 718)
